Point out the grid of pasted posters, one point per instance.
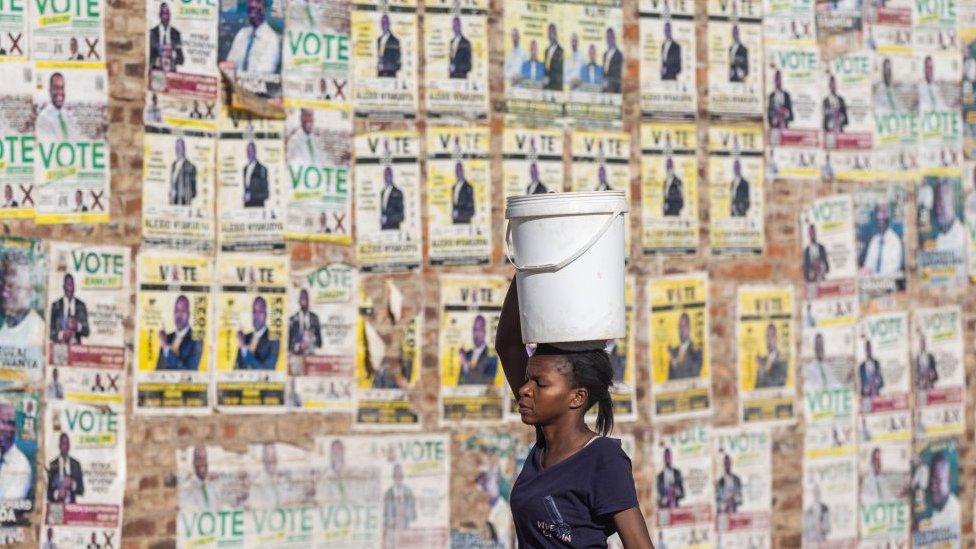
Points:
(884, 470)
(766, 357)
(669, 188)
(935, 490)
(848, 117)
(385, 58)
(459, 195)
(173, 339)
(829, 501)
(742, 465)
(536, 64)
(249, 54)
(601, 162)
(668, 49)
(735, 58)
(683, 487)
(456, 58)
(879, 218)
(318, 52)
(387, 188)
(20, 416)
(532, 161)
(251, 328)
(17, 134)
(323, 317)
(736, 189)
(472, 386)
(942, 234)
(681, 378)
(883, 376)
(23, 276)
(827, 244)
(938, 371)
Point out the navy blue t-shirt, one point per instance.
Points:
(572, 503)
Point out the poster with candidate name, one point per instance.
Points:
(669, 188)
(829, 502)
(209, 479)
(879, 218)
(318, 54)
(536, 60)
(73, 31)
(766, 356)
(594, 64)
(251, 332)
(23, 277)
(742, 464)
(896, 75)
(173, 341)
(668, 46)
(848, 118)
(942, 234)
(385, 49)
(17, 140)
(683, 487)
(249, 54)
(532, 161)
(20, 414)
(936, 487)
(736, 189)
(827, 244)
(735, 58)
(456, 59)
(601, 162)
(883, 375)
(939, 93)
(828, 338)
(938, 371)
(884, 471)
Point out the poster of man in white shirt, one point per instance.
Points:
(22, 273)
(942, 237)
(935, 493)
(18, 455)
(250, 45)
(879, 220)
(54, 120)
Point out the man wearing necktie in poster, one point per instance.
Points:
(182, 178)
(255, 179)
(399, 507)
(8, 197)
(779, 112)
(69, 315)
(613, 63)
(869, 372)
(387, 50)
(739, 192)
(772, 367)
(16, 472)
(301, 144)
(674, 196)
(728, 489)
(256, 47)
(536, 186)
(670, 55)
(684, 360)
(255, 349)
(602, 184)
(885, 97)
(873, 483)
(460, 52)
(65, 481)
(738, 58)
(391, 203)
(178, 349)
(591, 75)
(532, 70)
(884, 252)
(670, 485)
(816, 267)
(478, 366)
(304, 330)
(197, 493)
(554, 61)
(929, 97)
(462, 197)
(834, 112)
(54, 122)
(165, 43)
(926, 373)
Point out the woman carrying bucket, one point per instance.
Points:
(577, 487)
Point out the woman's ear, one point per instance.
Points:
(578, 398)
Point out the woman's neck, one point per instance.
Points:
(564, 438)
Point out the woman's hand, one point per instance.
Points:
(508, 341)
(632, 529)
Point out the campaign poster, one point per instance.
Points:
(623, 360)
(23, 280)
(456, 58)
(318, 54)
(182, 79)
(594, 66)
(387, 186)
(735, 58)
(251, 184)
(681, 379)
(884, 513)
(601, 162)
(794, 93)
(317, 152)
(71, 161)
(473, 385)
(173, 333)
(767, 361)
(683, 487)
(939, 371)
(209, 479)
(487, 489)
(669, 188)
(830, 502)
(827, 243)
(736, 189)
(895, 98)
(536, 65)
(84, 460)
(840, 27)
(178, 188)
(14, 29)
(883, 376)
(532, 161)
(942, 235)
(249, 54)
(935, 487)
(385, 59)
(879, 219)
(323, 316)
(250, 362)
(743, 466)
(20, 417)
(668, 49)
(848, 117)
(70, 31)
(966, 13)
(459, 195)
(831, 429)
(939, 93)
(19, 148)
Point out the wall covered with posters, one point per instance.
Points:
(281, 308)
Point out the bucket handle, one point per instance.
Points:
(552, 267)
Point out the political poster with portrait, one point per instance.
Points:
(71, 160)
(492, 469)
(473, 385)
(19, 438)
(387, 188)
(385, 59)
(459, 195)
(840, 27)
(879, 218)
(735, 58)
(318, 54)
(966, 16)
(23, 281)
(937, 53)
(173, 333)
(178, 188)
(535, 62)
(251, 184)
(736, 189)
(766, 357)
(669, 188)
(18, 149)
(456, 59)
(210, 479)
(683, 487)
(593, 69)
(72, 31)
(681, 378)
(668, 46)
(848, 118)
(939, 371)
(318, 156)
(532, 161)
(827, 244)
(249, 54)
(84, 460)
(14, 28)
(623, 361)
(883, 376)
(936, 487)
(942, 235)
(742, 465)
(895, 99)
(829, 502)
(884, 471)
(323, 317)
(182, 78)
(250, 363)
(601, 162)
(831, 423)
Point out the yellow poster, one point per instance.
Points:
(601, 162)
(767, 362)
(385, 57)
(736, 189)
(669, 188)
(456, 58)
(532, 161)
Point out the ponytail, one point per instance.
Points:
(590, 370)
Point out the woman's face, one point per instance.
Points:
(546, 394)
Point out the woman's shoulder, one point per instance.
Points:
(608, 447)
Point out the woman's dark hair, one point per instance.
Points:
(592, 371)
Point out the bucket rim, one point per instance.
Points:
(566, 203)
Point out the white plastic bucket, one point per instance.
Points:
(568, 253)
